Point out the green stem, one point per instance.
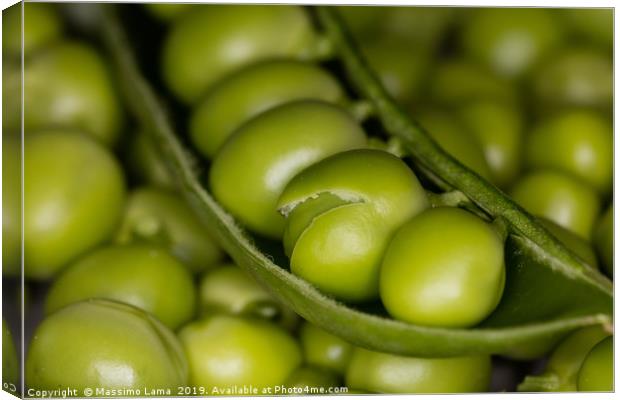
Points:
(430, 156)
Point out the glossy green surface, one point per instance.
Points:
(142, 275)
(42, 26)
(455, 138)
(253, 90)
(69, 86)
(229, 289)
(310, 380)
(574, 77)
(597, 371)
(574, 242)
(225, 351)
(11, 205)
(253, 167)
(10, 362)
(510, 40)
(445, 267)
(215, 40)
(604, 239)
(578, 142)
(104, 344)
(324, 350)
(559, 197)
(167, 11)
(388, 373)
(341, 213)
(161, 216)
(456, 82)
(498, 127)
(147, 164)
(74, 194)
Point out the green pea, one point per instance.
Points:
(582, 143)
(11, 205)
(559, 197)
(458, 82)
(226, 351)
(341, 213)
(604, 239)
(597, 371)
(104, 344)
(445, 267)
(255, 164)
(510, 40)
(69, 86)
(311, 380)
(456, 139)
(401, 66)
(580, 246)
(574, 77)
(42, 26)
(388, 373)
(324, 350)
(168, 12)
(10, 362)
(595, 24)
(214, 40)
(142, 275)
(498, 127)
(74, 194)
(253, 90)
(229, 289)
(161, 216)
(147, 164)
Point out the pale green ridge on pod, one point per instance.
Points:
(499, 129)
(229, 289)
(574, 77)
(604, 239)
(11, 205)
(214, 40)
(253, 90)
(255, 164)
(389, 373)
(143, 275)
(74, 193)
(42, 26)
(104, 344)
(10, 362)
(510, 40)
(312, 378)
(69, 86)
(351, 204)
(575, 243)
(444, 267)
(597, 371)
(227, 351)
(579, 142)
(324, 350)
(559, 197)
(455, 139)
(163, 217)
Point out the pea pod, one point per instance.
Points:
(539, 267)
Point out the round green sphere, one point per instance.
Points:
(228, 351)
(597, 371)
(11, 205)
(254, 90)
(388, 373)
(42, 26)
(559, 197)
(160, 216)
(311, 380)
(104, 344)
(324, 350)
(444, 267)
(215, 40)
(252, 168)
(577, 142)
(341, 214)
(142, 275)
(74, 193)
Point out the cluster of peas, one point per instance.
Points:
(142, 295)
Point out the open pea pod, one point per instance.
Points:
(510, 327)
